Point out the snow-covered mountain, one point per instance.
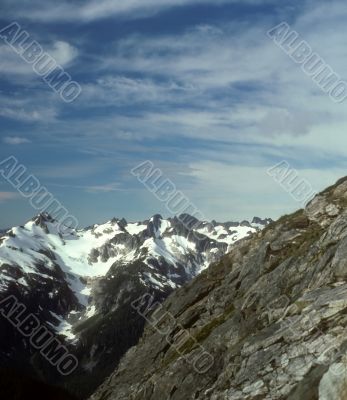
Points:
(81, 283)
(90, 253)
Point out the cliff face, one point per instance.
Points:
(271, 318)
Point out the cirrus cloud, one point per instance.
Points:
(15, 140)
(91, 10)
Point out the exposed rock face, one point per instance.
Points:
(272, 313)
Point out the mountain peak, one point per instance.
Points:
(262, 221)
(188, 220)
(44, 216)
(42, 219)
(156, 217)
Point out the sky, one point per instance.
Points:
(195, 86)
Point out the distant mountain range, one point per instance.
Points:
(81, 284)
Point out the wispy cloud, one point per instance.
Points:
(218, 100)
(28, 113)
(106, 188)
(86, 11)
(12, 64)
(15, 140)
(217, 82)
(239, 85)
(31, 101)
(123, 90)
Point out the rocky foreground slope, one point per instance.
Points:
(272, 315)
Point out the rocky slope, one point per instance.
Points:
(271, 317)
(81, 284)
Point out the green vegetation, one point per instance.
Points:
(287, 221)
(206, 330)
(301, 305)
(199, 337)
(301, 244)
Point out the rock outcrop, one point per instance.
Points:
(271, 318)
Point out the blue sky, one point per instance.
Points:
(195, 86)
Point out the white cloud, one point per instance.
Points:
(242, 86)
(28, 113)
(106, 188)
(15, 140)
(120, 90)
(63, 52)
(30, 104)
(13, 65)
(201, 72)
(211, 58)
(90, 10)
(228, 83)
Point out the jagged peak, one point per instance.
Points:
(156, 217)
(262, 221)
(44, 217)
(188, 220)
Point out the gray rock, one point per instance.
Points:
(272, 315)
